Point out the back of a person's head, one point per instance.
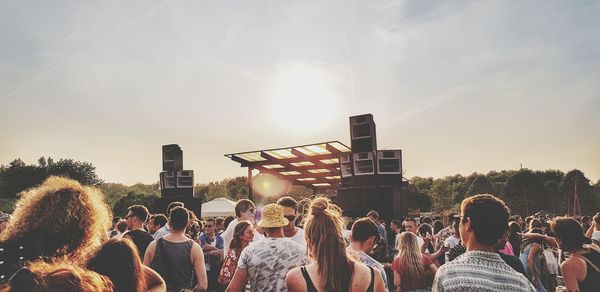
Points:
(515, 228)
(227, 220)
(488, 215)
(122, 226)
(427, 220)
(409, 254)
(139, 211)
(41, 276)
(160, 219)
(438, 225)
(60, 217)
(172, 206)
(326, 245)
(289, 202)
(363, 229)
(242, 206)
(535, 223)
(118, 259)
(424, 228)
(373, 214)
(570, 233)
(179, 218)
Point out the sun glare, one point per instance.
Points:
(303, 97)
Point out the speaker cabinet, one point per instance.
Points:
(185, 179)
(389, 201)
(389, 161)
(364, 164)
(172, 158)
(362, 133)
(346, 166)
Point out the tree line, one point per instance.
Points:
(525, 191)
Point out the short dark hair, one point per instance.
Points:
(219, 221)
(289, 202)
(411, 220)
(570, 233)
(173, 205)
(179, 218)
(139, 211)
(363, 229)
(373, 214)
(160, 219)
(489, 217)
(396, 222)
(242, 206)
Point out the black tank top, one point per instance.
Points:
(592, 277)
(310, 287)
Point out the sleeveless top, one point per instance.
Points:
(592, 277)
(310, 287)
(173, 262)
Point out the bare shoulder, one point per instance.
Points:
(574, 266)
(294, 280)
(362, 277)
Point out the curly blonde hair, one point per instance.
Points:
(65, 276)
(60, 218)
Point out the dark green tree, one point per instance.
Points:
(525, 193)
(575, 180)
(480, 185)
(132, 198)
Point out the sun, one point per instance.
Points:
(303, 97)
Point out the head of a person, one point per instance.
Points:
(326, 245)
(272, 219)
(290, 209)
(409, 253)
(227, 220)
(438, 225)
(245, 209)
(597, 220)
(179, 219)
(136, 216)
(424, 230)
(209, 226)
(502, 242)
(395, 226)
(529, 241)
(456, 227)
(118, 260)
(585, 220)
(41, 276)
(172, 206)
(514, 228)
(122, 225)
(157, 222)
(427, 220)
(410, 224)
(535, 223)
(219, 224)
(60, 218)
(374, 215)
(365, 233)
(243, 234)
(484, 219)
(568, 234)
(4, 218)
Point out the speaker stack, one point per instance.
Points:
(176, 184)
(371, 178)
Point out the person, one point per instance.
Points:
(484, 220)
(244, 211)
(331, 269)
(581, 269)
(156, 222)
(410, 225)
(365, 235)
(425, 231)
(4, 218)
(265, 262)
(290, 212)
(593, 232)
(220, 227)
(531, 258)
(226, 222)
(374, 215)
(452, 241)
(136, 217)
(60, 218)
(511, 260)
(515, 237)
(176, 257)
(118, 260)
(413, 270)
(167, 228)
(212, 246)
(121, 229)
(59, 275)
(242, 236)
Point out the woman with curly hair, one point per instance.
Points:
(60, 218)
(118, 260)
(331, 269)
(40, 276)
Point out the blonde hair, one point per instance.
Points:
(411, 258)
(60, 218)
(326, 245)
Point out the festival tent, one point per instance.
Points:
(219, 207)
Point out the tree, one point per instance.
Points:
(83, 172)
(588, 199)
(133, 198)
(480, 185)
(442, 194)
(525, 193)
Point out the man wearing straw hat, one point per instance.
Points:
(266, 262)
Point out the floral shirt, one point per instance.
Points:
(229, 266)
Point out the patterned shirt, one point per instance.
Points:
(479, 271)
(369, 261)
(269, 260)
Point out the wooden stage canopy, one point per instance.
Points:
(315, 166)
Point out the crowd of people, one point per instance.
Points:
(62, 237)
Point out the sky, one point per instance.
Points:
(459, 86)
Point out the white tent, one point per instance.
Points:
(219, 207)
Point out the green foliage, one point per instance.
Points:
(7, 205)
(589, 199)
(526, 193)
(115, 191)
(480, 185)
(232, 188)
(133, 198)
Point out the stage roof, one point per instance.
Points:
(313, 165)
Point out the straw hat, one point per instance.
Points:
(272, 216)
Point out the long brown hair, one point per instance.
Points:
(118, 259)
(238, 232)
(326, 245)
(410, 255)
(60, 218)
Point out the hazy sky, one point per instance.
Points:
(459, 87)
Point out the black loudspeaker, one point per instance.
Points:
(389, 161)
(190, 203)
(390, 201)
(362, 133)
(364, 163)
(172, 158)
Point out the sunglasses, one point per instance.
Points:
(290, 217)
